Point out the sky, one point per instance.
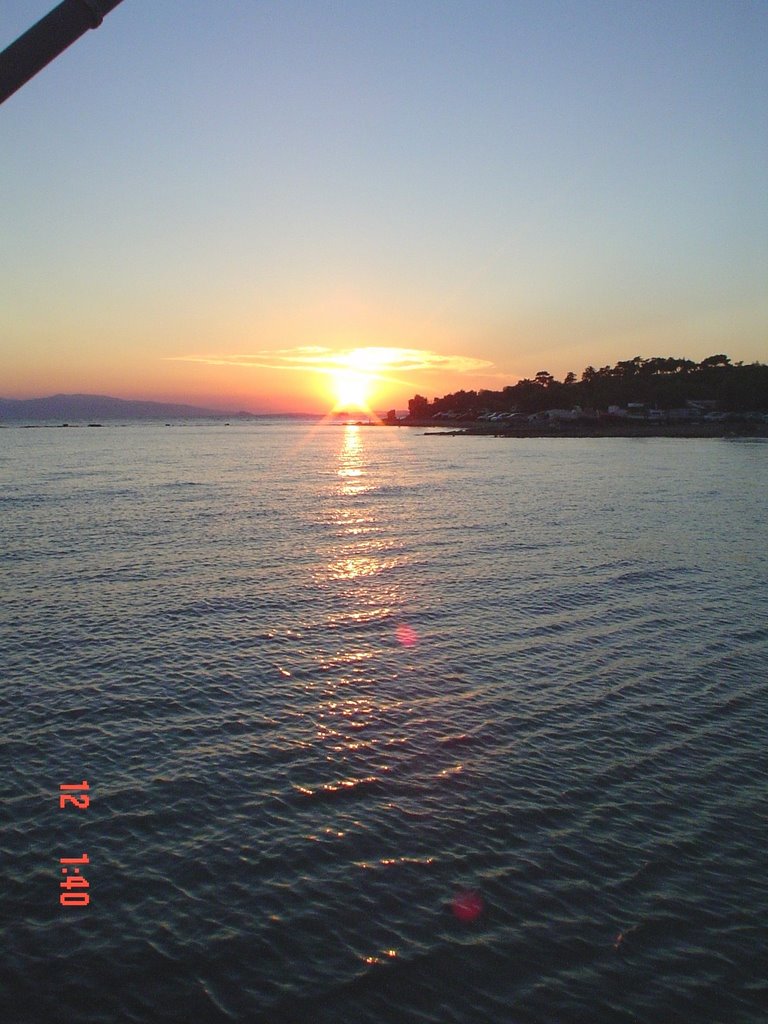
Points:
(284, 206)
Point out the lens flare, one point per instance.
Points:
(406, 635)
(467, 906)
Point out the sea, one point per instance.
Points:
(368, 726)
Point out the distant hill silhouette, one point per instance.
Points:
(83, 408)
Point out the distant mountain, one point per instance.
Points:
(87, 408)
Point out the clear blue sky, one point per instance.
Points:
(199, 188)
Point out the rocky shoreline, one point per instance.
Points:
(744, 428)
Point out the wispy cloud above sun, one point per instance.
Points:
(377, 361)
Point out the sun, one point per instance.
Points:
(358, 374)
(352, 389)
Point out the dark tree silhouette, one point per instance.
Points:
(661, 382)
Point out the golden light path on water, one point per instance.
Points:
(355, 715)
(359, 555)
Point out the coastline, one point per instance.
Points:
(738, 429)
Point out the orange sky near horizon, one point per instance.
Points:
(168, 354)
(303, 379)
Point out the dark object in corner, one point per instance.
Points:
(47, 39)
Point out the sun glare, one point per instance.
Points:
(352, 389)
(357, 373)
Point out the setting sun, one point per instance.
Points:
(352, 389)
(357, 373)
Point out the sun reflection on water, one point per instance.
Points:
(364, 639)
(357, 566)
(351, 462)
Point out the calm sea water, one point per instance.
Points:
(384, 728)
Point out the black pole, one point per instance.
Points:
(47, 39)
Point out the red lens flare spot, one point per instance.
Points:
(467, 906)
(406, 635)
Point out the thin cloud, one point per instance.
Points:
(374, 361)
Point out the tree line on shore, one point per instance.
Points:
(660, 382)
